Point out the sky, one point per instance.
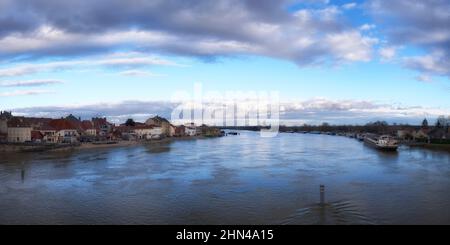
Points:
(341, 62)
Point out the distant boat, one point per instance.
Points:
(384, 142)
(360, 137)
(232, 133)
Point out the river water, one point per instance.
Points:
(240, 179)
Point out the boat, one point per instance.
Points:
(232, 133)
(360, 137)
(384, 142)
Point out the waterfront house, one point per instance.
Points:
(157, 133)
(124, 132)
(172, 129)
(179, 131)
(103, 126)
(190, 129)
(3, 126)
(421, 134)
(405, 134)
(88, 128)
(142, 131)
(158, 121)
(148, 132)
(18, 130)
(66, 131)
(37, 136)
(49, 133)
(4, 117)
(437, 134)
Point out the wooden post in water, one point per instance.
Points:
(322, 194)
(22, 173)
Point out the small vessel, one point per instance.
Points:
(360, 137)
(232, 133)
(384, 142)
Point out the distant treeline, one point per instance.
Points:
(379, 127)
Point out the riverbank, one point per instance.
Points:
(25, 147)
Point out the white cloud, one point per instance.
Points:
(367, 27)
(349, 5)
(436, 63)
(350, 46)
(387, 53)
(118, 60)
(313, 32)
(424, 78)
(138, 73)
(30, 83)
(25, 92)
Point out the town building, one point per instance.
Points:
(18, 130)
(190, 129)
(158, 121)
(37, 136)
(103, 126)
(66, 131)
(179, 131)
(88, 128)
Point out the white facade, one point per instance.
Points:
(172, 130)
(91, 132)
(148, 133)
(49, 136)
(142, 133)
(190, 131)
(156, 131)
(19, 134)
(67, 135)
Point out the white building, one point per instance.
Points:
(19, 134)
(142, 132)
(190, 129)
(148, 132)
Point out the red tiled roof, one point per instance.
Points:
(61, 124)
(85, 125)
(36, 135)
(46, 127)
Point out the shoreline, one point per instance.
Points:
(124, 143)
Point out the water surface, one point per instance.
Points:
(240, 179)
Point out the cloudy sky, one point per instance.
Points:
(334, 61)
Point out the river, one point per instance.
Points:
(243, 179)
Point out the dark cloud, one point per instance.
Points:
(424, 24)
(202, 28)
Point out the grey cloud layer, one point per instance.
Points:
(299, 112)
(210, 29)
(421, 23)
(204, 29)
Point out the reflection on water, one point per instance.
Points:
(240, 179)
